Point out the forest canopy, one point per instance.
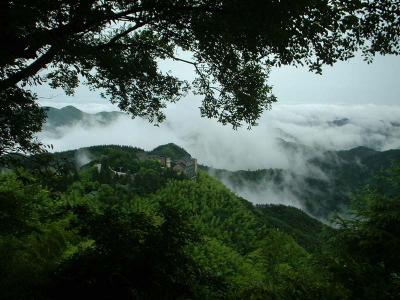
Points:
(116, 46)
(149, 233)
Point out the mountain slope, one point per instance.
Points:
(125, 158)
(345, 172)
(171, 150)
(99, 236)
(70, 115)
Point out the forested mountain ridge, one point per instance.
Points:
(321, 194)
(339, 175)
(184, 223)
(70, 115)
(71, 230)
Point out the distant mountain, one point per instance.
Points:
(70, 115)
(290, 220)
(170, 150)
(342, 174)
(296, 148)
(336, 174)
(339, 122)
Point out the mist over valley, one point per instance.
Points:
(312, 157)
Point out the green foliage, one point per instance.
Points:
(35, 237)
(117, 46)
(366, 246)
(157, 236)
(170, 150)
(240, 252)
(21, 118)
(234, 275)
(308, 232)
(215, 210)
(137, 249)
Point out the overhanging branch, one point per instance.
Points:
(30, 70)
(122, 34)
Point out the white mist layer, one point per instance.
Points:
(218, 146)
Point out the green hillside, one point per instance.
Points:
(146, 232)
(171, 150)
(347, 172)
(305, 230)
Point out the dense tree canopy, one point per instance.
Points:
(366, 246)
(68, 233)
(116, 46)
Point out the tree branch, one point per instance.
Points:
(34, 41)
(39, 39)
(122, 34)
(30, 70)
(196, 66)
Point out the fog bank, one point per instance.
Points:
(317, 127)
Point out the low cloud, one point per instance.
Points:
(261, 147)
(311, 129)
(82, 157)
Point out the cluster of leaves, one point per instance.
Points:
(20, 118)
(116, 46)
(100, 237)
(36, 236)
(366, 245)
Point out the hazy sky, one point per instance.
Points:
(350, 82)
(367, 95)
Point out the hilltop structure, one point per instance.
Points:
(164, 161)
(186, 166)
